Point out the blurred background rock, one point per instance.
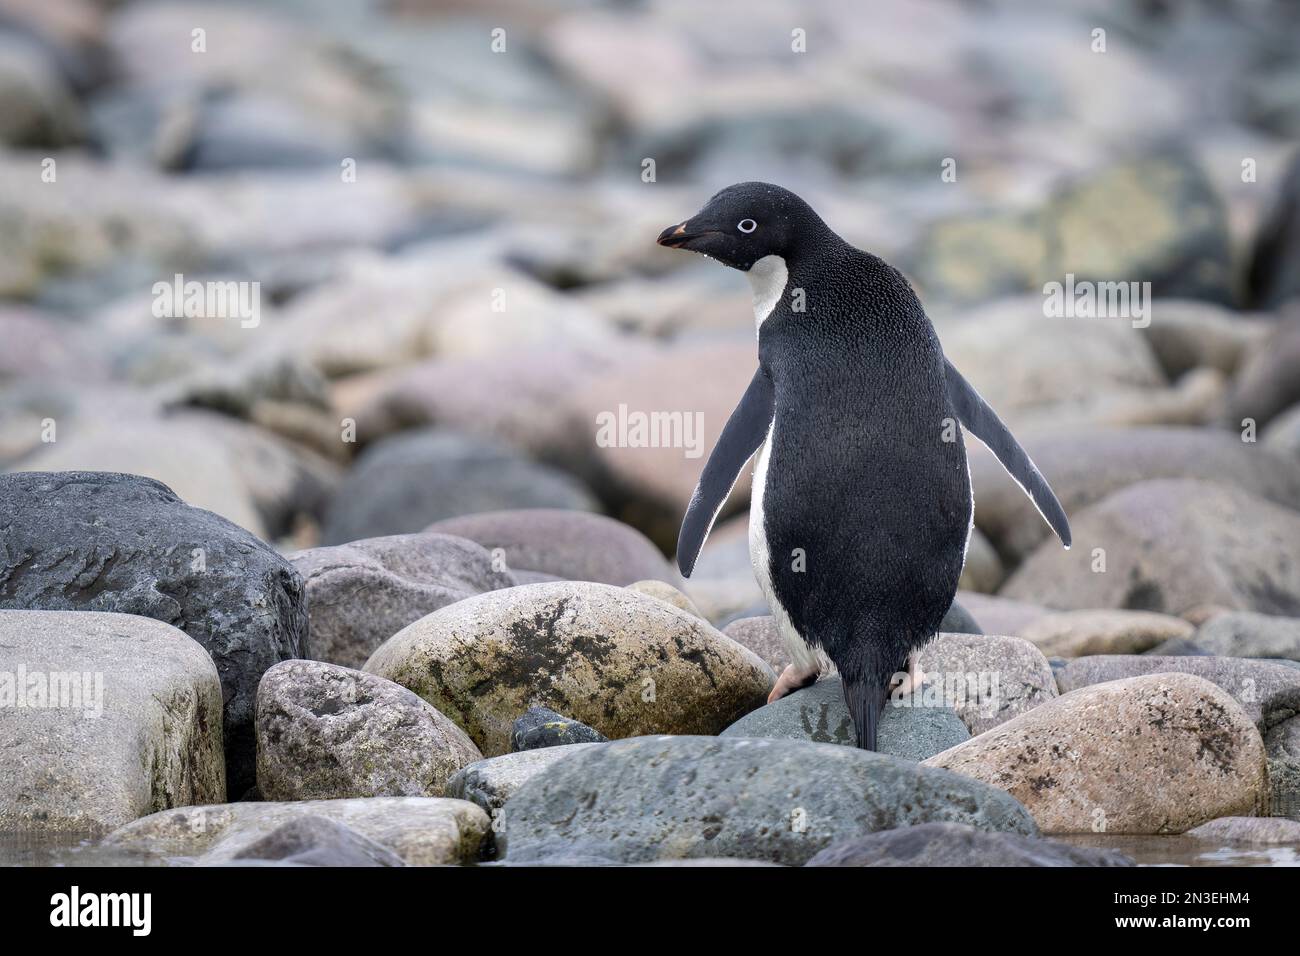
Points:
(488, 283)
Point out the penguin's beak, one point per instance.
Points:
(677, 236)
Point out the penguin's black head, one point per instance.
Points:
(747, 221)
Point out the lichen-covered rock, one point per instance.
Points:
(819, 713)
(103, 718)
(1155, 754)
(362, 593)
(651, 798)
(422, 831)
(327, 733)
(616, 660)
(957, 844)
(542, 727)
(95, 541)
(1082, 633)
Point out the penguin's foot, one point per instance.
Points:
(791, 680)
(912, 680)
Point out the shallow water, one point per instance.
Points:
(30, 849)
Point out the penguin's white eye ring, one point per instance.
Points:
(747, 226)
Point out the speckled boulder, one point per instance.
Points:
(988, 679)
(1156, 754)
(542, 727)
(616, 660)
(326, 733)
(362, 593)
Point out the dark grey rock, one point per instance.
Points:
(1274, 274)
(1245, 634)
(956, 844)
(818, 713)
(491, 782)
(550, 544)
(403, 577)
(99, 541)
(649, 798)
(407, 481)
(317, 841)
(541, 727)
(958, 620)
(1284, 782)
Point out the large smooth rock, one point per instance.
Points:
(1170, 546)
(819, 713)
(1268, 693)
(493, 781)
(318, 841)
(651, 798)
(91, 541)
(103, 718)
(614, 659)
(361, 594)
(1000, 615)
(1266, 385)
(1246, 634)
(988, 679)
(422, 831)
(1155, 754)
(407, 481)
(327, 733)
(1084, 465)
(573, 545)
(956, 844)
(1080, 633)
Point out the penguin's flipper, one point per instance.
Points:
(741, 436)
(982, 422)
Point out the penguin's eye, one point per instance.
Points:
(747, 225)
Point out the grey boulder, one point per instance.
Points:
(957, 844)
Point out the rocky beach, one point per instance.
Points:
(349, 412)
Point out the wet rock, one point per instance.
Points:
(956, 844)
(1249, 830)
(572, 545)
(819, 713)
(362, 593)
(652, 798)
(104, 718)
(408, 481)
(541, 727)
(1188, 753)
(1081, 633)
(1169, 546)
(319, 841)
(110, 542)
(618, 661)
(328, 733)
(421, 831)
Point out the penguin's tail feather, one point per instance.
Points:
(866, 701)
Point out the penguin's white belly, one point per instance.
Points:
(801, 655)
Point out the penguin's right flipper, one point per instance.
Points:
(741, 436)
(982, 422)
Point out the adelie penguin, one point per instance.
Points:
(861, 509)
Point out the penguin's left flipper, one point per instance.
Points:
(741, 436)
(982, 422)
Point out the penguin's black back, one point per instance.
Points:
(859, 476)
